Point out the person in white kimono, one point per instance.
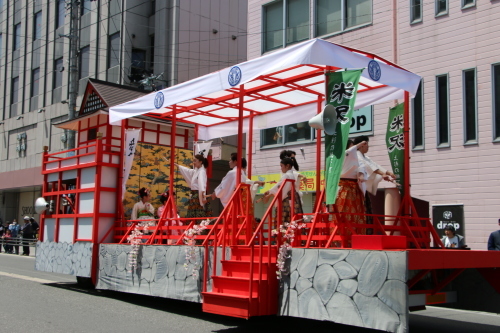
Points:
(228, 184)
(287, 173)
(291, 154)
(373, 174)
(196, 178)
(144, 210)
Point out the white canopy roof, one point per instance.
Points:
(279, 88)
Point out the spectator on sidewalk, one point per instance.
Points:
(36, 227)
(27, 232)
(15, 229)
(2, 229)
(494, 240)
(7, 246)
(451, 239)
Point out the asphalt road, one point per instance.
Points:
(48, 302)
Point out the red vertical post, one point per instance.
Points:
(318, 156)
(119, 192)
(97, 209)
(58, 207)
(235, 219)
(173, 129)
(240, 132)
(406, 131)
(250, 146)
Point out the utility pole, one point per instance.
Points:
(73, 65)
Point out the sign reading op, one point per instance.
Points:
(395, 142)
(341, 93)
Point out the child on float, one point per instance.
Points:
(286, 196)
(170, 222)
(144, 210)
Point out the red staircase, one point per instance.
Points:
(248, 283)
(247, 286)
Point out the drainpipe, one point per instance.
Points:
(173, 42)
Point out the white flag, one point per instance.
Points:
(131, 138)
(202, 148)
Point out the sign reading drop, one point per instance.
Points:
(443, 215)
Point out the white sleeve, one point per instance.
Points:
(151, 208)
(187, 173)
(227, 185)
(276, 186)
(202, 181)
(133, 216)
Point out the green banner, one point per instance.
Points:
(341, 94)
(395, 142)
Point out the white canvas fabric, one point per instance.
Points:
(296, 100)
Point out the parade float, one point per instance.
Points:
(318, 265)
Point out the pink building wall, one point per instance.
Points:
(460, 40)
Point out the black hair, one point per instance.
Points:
(202, 159)
(287, 161)
(164, 197)
(234, 157)
(450, 228)
(286, 153)
(295, 164)
(143, 192)
(349, 144)
(360, 139)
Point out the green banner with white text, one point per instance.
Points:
(396, 143)
(341, 94)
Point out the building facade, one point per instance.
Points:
(125, 42)
(455, 115)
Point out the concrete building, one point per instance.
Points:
(124, 42)
(455, 116)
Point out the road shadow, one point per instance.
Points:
(420, 323)
(262, 324)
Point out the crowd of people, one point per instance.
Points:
(13, 235)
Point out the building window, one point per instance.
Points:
(470, 106)
(441, 7)
(468, 3)
(35, 82)
(138, 68)
(84, 59)
(37, 26)
(15, 91)
(415, 11)
(336, 16)
(60, 13)
(286, 20)
(288, 134)
(496, 101)
(86, 7)
(358, 12)
(58, 72)
(17, 36)
(114, 50)
(443, 120)
(418, 118)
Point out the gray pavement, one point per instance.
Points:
(48, 302)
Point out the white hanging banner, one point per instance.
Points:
(131, 138)
(202, 148)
